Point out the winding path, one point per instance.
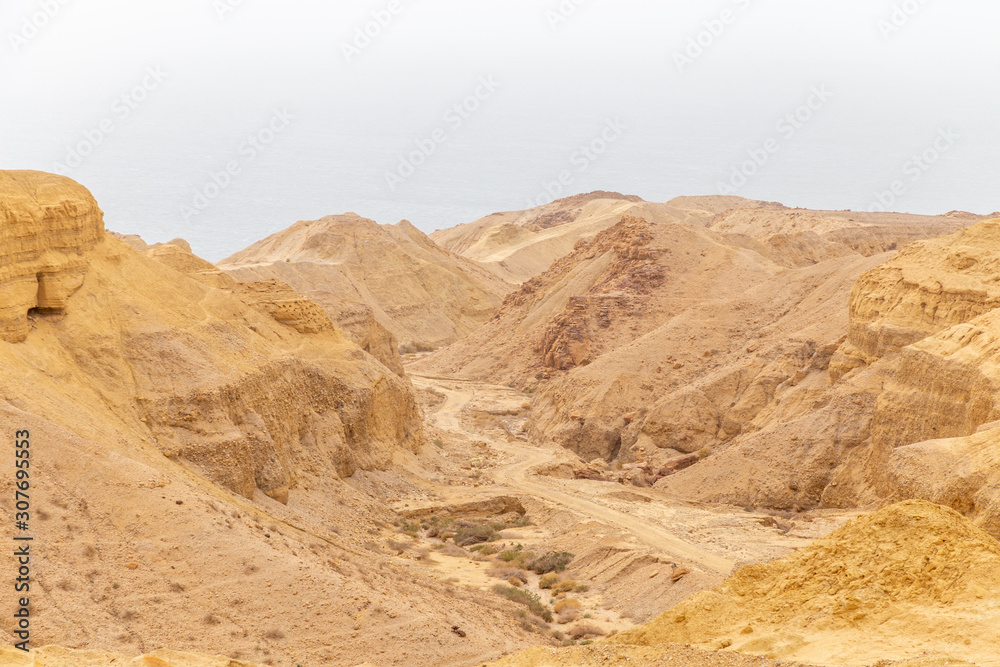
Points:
(516, 476)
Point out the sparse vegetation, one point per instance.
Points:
(548, 581)
(527, 598)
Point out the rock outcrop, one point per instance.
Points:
(929, 321)
(47, 223)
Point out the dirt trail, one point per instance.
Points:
(516, 476)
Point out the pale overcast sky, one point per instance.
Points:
(696, 89)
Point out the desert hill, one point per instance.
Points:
(660, 340)
(888, 586)
(360, 271)
(519, 245)
(195, 458)
(672, 321)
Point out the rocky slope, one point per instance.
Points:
(197, 455)
(661, 340)
(888, 586)
(367, 275)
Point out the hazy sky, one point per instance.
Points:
(150, 102)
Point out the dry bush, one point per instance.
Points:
(467, 535)
(502, 572)
(551, 562)
(568, 610)
(582, 630)
(515, 582)
(398, 547)
(527, 598)
(564, 587)
(454, 551)
(569, 615)
(568, 603)
(548, 581)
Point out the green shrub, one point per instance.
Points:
(509, 555)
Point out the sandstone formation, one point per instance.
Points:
(281, 302)
(46, 226)
(928, 320)
(364, 273)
